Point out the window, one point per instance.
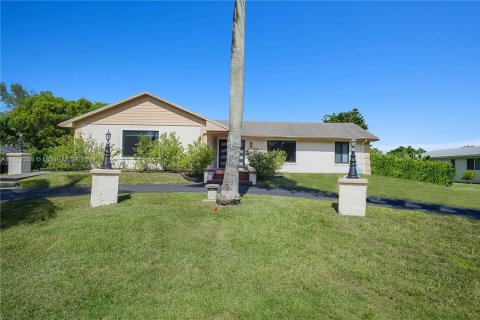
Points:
(341, 152)
(470, 164)
(131, 138)
(452, 161)
(473, 164)
(290, 148)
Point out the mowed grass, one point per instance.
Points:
(73, 178)
(170, 256)
(459, 195)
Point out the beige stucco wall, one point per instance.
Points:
(460, 167)
(187, 135)
(315, 156)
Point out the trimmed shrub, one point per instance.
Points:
(266, 163)
(437, 172)
(142, 153)
(469, 175)
(168, 152)
(197, 158)
(77, 154)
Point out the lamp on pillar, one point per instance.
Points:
(352, 172)
(20, 142)
(107, 163)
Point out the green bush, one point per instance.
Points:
(39, 157)
(168, 152)
(197, 158)
(143, 154)
(437, 172)
(77, 154)
(469, 175)
(266, 163)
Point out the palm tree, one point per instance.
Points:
(230, 194)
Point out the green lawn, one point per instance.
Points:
(166, 256)
(459, 195)
(71, 178)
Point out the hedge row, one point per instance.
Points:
(436, 172)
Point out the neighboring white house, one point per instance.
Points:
(310, 146)
(466, 158)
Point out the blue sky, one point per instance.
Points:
(412, 68)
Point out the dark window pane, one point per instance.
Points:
(470, 164)
(222, 154)
(290, 148)
(131, 138)
(477, 164)
(341, 152)
(452, 162)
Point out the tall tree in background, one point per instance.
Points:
(38, 118)
(10, 99)
(230, 194)
(353, 116)
(16, 96)
(409, 152)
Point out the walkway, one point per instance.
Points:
(40, 193)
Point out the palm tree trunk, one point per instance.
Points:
(230, 194)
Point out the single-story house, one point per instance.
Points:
(466, 158)
(310, 146)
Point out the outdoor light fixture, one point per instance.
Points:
(107, 163)
(20, 142)
(251, 145)
(352, 172)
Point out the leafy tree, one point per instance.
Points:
(376, 150)
(38, 118)
(353, 116)
(7, 132)
(469, 175)
(197, 158)
(230, 194)
(167, 152)
(407, 152)
(10, 99)
(16, 96)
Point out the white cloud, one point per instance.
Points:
(429, 146)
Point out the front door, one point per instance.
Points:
(222, 154)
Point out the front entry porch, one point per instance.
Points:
(215, 176)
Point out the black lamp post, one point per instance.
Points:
(20, 142)
(352, 172)
(107, 163)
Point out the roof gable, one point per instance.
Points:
(144, 109)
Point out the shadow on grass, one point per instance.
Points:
(124, 197)
(72, 180)
(22, 212)
(335, 206)
(292, 185)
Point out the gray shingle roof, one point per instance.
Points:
(9, 149)
(457, 152)
(304, 130)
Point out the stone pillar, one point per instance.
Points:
(252, 177)
(208, 175)
(104, 187)
(19, 163)
(352, 199)
(212, 192)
